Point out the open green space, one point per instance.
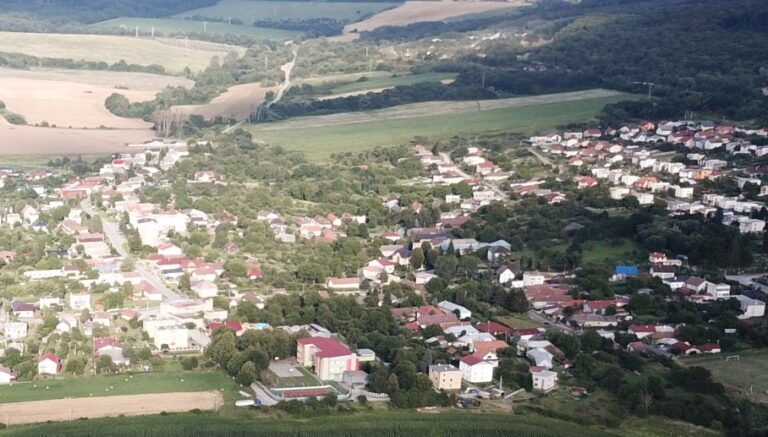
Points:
(166, 26)
(141, 383)
(518, 321)
(392, 81)
(250, 11)
(320, 136)
(600, 251)
(747, 375)
(370, 423)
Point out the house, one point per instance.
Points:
(505, 275)
(205, 289)
(171, 337)
(254, 272)
(102, 318)
(169, 250)
(540, 357)
(533, 278)
(330, 358)
(750, 307)
(110, 347)
(445, 377)
(15, 330)
(205, 176)
(624, 271)
(22, 309)
(476, 370)
(6, 376)
(543, 380)
(49, 364)
(450, 307)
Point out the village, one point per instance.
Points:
(110, 291)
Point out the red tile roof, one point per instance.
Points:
(328, 347)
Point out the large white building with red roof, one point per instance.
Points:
(330, 358)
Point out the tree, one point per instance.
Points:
(247, 374)
(105, 364)
(185, 283)
(75, 366)
(235, 269)
(516, 301)
(189, 363)
(331, 399)
(417, 258)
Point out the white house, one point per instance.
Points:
(505, 275)
(476, 370)
(750, 307)
(6, 376)
(49, 364)
(450, 307)
(541, 357)
(544, 380)
(79, 301)
(533, 278)
(15, 330)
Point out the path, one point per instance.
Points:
(119, 242)
(287, 68)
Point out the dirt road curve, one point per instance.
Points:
(135, 405)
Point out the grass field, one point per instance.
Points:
(371, 424)
(321, 136)
(249, 11)
(168, 26)
(749, 371)
(518, 321)
(601, 251)
(392, 81)
(171, 54)
(305, 380)
(117, 385)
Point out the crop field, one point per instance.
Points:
(168, 26)
(118, 385)
(249, 11)
(128, 405)
(378, 423)
(420, 11)
(75, 98)
(320, 136)
(47, 141)
(237, 102)
(171, 54)
(748, 375)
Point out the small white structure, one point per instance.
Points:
(79, 301)
(533, 278)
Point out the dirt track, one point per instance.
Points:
(135, 405)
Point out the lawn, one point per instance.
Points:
(392, 81)
(143, 383)
(320, 136)
(605, 250)
(173, 55)
(167, 26)
(750, 371)
(305, 380)
(249, 11)
(369, 423)
(518, 321)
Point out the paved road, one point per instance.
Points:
(537, 317)
(447, 159)
(119, 242)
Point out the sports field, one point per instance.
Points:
(144, 383)
(172, 54)
(249, 11)
(747, 375)
(321, 136)
(167, 26)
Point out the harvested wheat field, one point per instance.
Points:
(172, 54)
(19, 413)
(75, 98)
(420, 11)
(30, 140)
(237, 102)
